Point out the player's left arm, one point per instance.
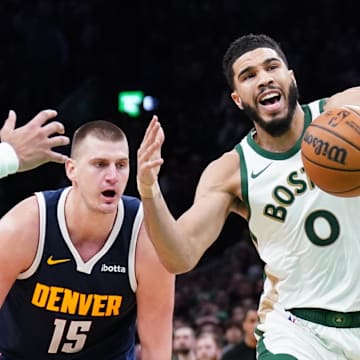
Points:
(350, 96)
(155, 301)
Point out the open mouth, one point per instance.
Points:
(270, 98)
(109, 193)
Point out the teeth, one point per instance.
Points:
(269, 96)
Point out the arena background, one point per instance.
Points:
(76, 56)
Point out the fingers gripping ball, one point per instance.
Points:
(330, 151)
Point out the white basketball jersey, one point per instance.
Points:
(309, 240)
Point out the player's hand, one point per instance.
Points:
(149, 158)
(34, 141)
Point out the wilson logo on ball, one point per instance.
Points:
(323, 148)
(330, 151)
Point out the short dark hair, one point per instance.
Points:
(101, 129)
(244, 44)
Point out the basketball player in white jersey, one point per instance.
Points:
(308, 239)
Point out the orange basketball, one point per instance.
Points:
(330, 151)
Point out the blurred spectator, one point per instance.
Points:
(238, 313)
(208, 324)
(184, 343)
(245, 350)
(208, 346)
(233, 334)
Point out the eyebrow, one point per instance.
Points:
(106, 159)
(265, 62)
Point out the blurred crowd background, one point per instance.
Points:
(76, 56)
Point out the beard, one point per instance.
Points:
(182, 351)
(277, 126)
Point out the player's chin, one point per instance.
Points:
(110, 204)
(107, 208)
(268, 116)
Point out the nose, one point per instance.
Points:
(111, 173)
(264, 78)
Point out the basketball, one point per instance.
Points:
(330, 151)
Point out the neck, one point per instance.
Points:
(85, 224)
(286, 141)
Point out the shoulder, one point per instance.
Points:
(219, 171)
(237, 350)
(22, 221)
(223, 176)
(131, 205)
(19, 229)
(130, 200)
(25, 211)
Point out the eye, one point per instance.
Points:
(121, 165)
(249, 76)
(99, 164)
(273, 66)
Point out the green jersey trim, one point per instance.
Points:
(287, 154)
(264, 353)
(244, 178)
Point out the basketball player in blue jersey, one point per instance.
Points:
(30, 145)
(308, 239)
(79, 276)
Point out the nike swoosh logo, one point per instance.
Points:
(51, 261)
(255, 175)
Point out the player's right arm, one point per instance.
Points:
(181, 243)
(19, 232)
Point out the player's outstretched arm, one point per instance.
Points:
(180, 243)
(30, 145)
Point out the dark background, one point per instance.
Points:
(75, 56)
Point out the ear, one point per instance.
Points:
(292, 75)
(70, 169)
(237, 100)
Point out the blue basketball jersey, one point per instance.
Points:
(65, 308)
